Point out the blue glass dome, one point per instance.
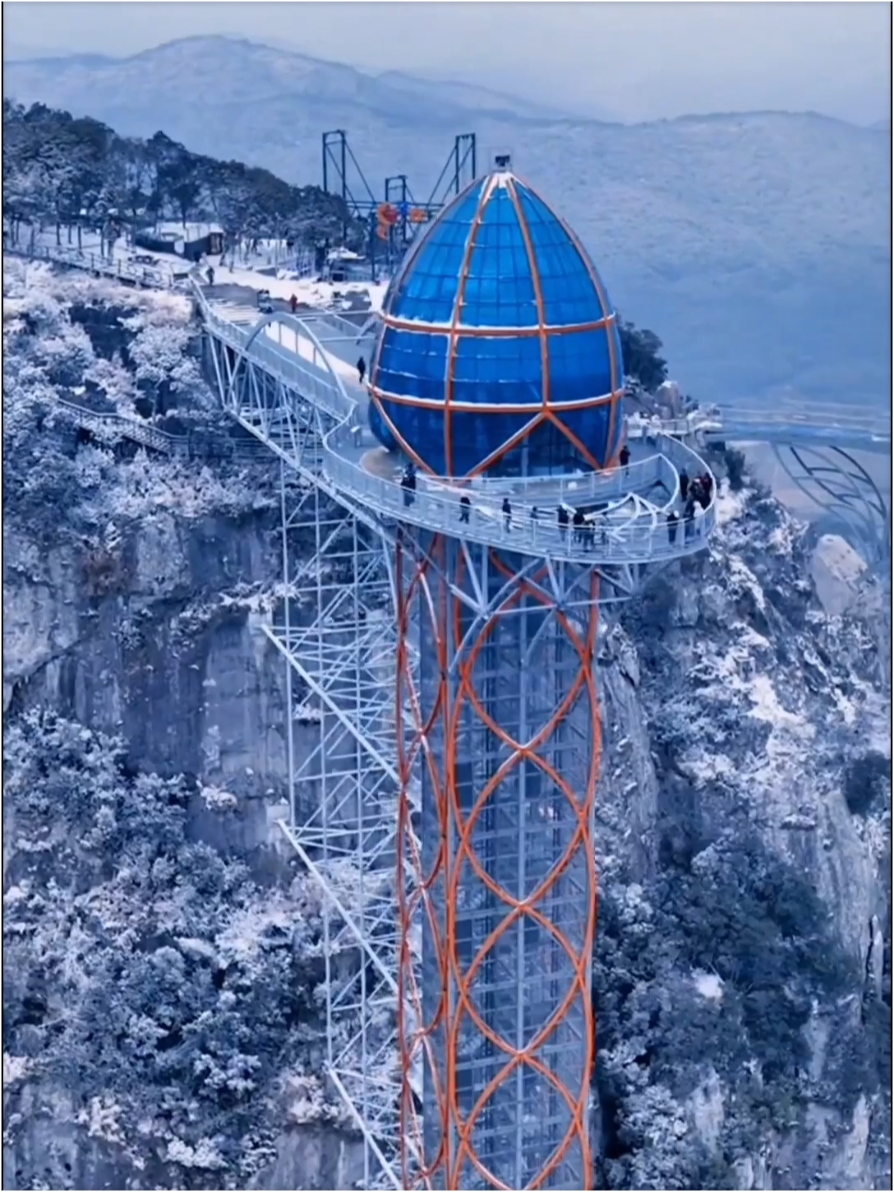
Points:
(499, 348)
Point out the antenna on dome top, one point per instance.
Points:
(503, 161)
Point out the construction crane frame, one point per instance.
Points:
(339, 162)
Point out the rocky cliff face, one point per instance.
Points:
(743, 976)
(163, 950)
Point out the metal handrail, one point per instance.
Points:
(615, 538)
(91, 262)
(818, 417)
(132, 428)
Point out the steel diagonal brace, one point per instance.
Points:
(349, 923)
(322, 694)
(396, 1182)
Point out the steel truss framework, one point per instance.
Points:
(360, 790)
(335, 630)
(838, 484)
(503, 739)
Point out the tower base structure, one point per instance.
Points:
(498, 732)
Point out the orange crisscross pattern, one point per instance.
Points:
(432, 1029)
(546, 411)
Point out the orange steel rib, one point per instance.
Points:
(454, 325)
(450, 1158)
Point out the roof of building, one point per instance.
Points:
(172, 230)
(498, 339)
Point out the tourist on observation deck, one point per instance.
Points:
(684, 485)
(672, 521)
(624, 457)
(465, 508)
(361, 369)
(689, 517)
(578, 522)
(562, 518)
(293, 303)
(507, 514)
(408, 484)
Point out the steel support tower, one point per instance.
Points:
(503, 741)
(442, 739)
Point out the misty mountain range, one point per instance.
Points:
(757, 245)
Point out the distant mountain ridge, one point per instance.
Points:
(757, 245)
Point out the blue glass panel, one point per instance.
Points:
(619, 355)
(497, 371)
(380, 430)
(591, 428)
(475, 437)
(412, 364)
(422, 429)
(569, 293)
(578, 366)
(499, 290)
(427, 289)
(544, 451)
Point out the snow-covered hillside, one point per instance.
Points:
(759, 244)
(161, 946)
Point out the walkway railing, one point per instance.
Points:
(129, 427)
(632, 531)
(74, 258)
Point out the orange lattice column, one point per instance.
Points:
(499, 752)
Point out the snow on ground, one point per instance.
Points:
(306, 290)
(91, 243)
(837, 571)
(730, 506)
(709, 985)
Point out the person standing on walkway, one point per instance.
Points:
(689, 517)
(408, 484)
(672, 520)
(624, 458)
(361, 369)
(507, 514)
(293, 304)
(465, 508)
(684, 485)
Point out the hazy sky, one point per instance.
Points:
(628, 61)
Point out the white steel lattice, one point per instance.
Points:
(335, 629)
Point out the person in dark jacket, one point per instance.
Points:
(704, 495)
(624, 457)
(507, 513)
(708, 484)
(293, 304)
(578, 522)
(465, 508)
(672, 521)
(408, 484)
(361, 369)
(562, 518)
(210, 276)
(684, 485)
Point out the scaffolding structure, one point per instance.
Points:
(343, 175)
(503, 739)
(443, 742)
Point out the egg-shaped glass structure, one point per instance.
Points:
(499, 349)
